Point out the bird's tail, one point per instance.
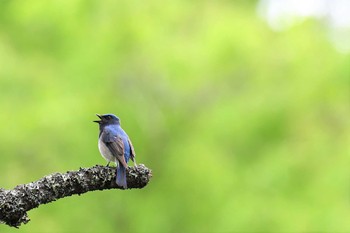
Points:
(121, 176)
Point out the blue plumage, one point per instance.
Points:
(115, 145)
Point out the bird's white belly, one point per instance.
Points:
(105, 152)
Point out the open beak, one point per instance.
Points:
(99, 116)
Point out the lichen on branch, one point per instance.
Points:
(15, 203)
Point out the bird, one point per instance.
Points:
(115, 145)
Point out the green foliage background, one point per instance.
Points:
(245, 129)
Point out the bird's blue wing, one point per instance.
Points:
(115, 144)
(132, 151)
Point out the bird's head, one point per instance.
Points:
(107, 119)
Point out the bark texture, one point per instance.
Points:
(15, 203)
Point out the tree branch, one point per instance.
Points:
(15, 203)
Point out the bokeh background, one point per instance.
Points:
(245, 127)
